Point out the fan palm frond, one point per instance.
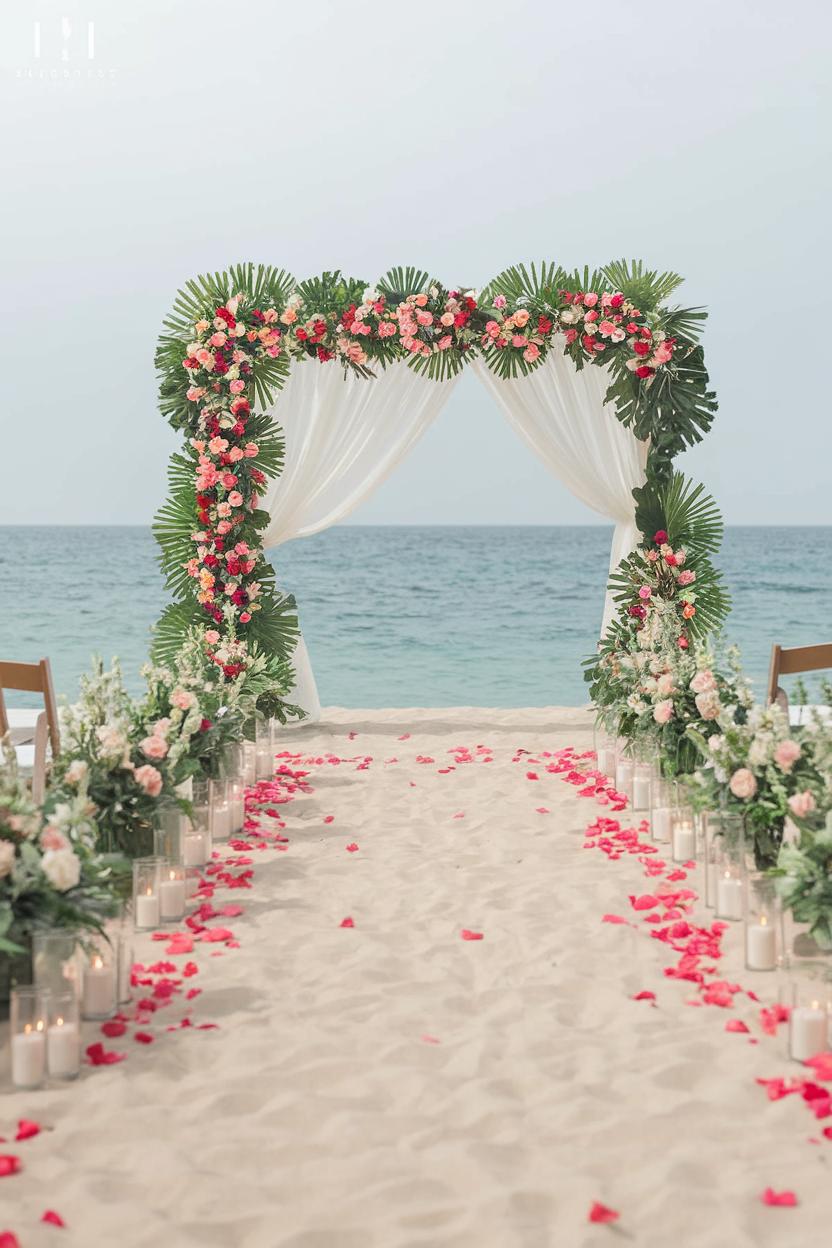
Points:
(646, 288)
(681, 507)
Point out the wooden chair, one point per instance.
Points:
(30, 733)
(793, 662)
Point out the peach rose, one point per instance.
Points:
(235, 498)
(150, 780)
(154, 747)
(787, 754)
(663, 711)
(801, 804)
(743, 784)
(521, 317)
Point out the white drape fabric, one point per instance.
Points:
(344, 436)
(560, 413)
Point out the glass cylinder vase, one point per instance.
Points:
(146, 874)
(606, 751)
(762, 923)
(170, 830)
(221, 814)
(264, 767)
(56, 960)
(172, 892)
(99, 981)
(811, 1009)
(662, 805)
(682, 834)
(63, 1036)
(29, 1013)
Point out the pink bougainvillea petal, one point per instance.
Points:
(52, 1218)
(602, 1213)
(9, 1164)
(466, 934)
(785, 1200)
(27, 1130)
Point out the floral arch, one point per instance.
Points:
(233, 339)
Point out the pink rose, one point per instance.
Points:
(211, 636)
(645, 592)
(499, 301)
(237, 387)
(51, 838)
(532, 352)
(521, 317)
(217, 340)
(229, 480)
(149, 779)
(590, 300)
(251, 450)
(743, 784)
(663, 711)
(802, 804)
(518, 340)
(787, 754)
(235, 498)
(444, 342)
(182, 699)
(154, 747)
(708, 704)
(703, 682)
(687, 577)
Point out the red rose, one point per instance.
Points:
(324, 355)
(205, 725)
(301, 335)
(616, 301)
(683, 642)
(644, 371)
(641, 348)
(670, 560)
(660, 537)
(543, 324)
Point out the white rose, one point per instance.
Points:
(6, 858)
(112, 741)
(62, 868)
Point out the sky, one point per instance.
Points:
(460, 138)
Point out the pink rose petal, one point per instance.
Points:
(27, 1130)
(786, 1200)
(352, 848)
(602, 1213)
(52, 1218)
(347, 922)
(9, 1164)
(469, 935)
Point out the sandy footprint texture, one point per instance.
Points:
(392, 1085)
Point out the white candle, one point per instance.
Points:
(710, 885)
(641, 792)
(807, 1031)
(63, 1049)
(728, 897)
(99, 996)
(147, 909)
(684, 841)
(194, 849)
(29, 1057)
(624, 776)
(660, 823)
(221, 818)
(172, 898)
(606, 760)
(265, 763)
(760, 946)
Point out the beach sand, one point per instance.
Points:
(392, 1085)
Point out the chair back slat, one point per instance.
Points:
(795, 660)
(32, 678)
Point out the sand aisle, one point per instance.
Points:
(395, 1086)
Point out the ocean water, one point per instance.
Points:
(404, 616)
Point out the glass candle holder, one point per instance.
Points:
(606, 753)
(642, 784)
(172, 892)
(729, 890)
(28, 1036)
(196, 845)
(682, 834)
(124, 954)
(763, 924)
(63, 1036)
(275, 729)
(99, 981)
(810, 1011)
(221, 814)
(237, 800)
(146, 893)
(170, 830)
(624, 767)
(662, 804)
(711, 855)
(264, 758)
(231, 762)
(56, 960)
(249, 763)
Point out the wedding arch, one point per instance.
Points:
(298, 399)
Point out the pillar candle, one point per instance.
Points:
(99, 994)
(728, 897)
(194, 850)
(684, 842)
(807, 1031)
(760, 946)
(29, 1057)
(172, 899)
(63, 1050)
(624, 776)
(147, 909)
(660, 823)
(606, 760)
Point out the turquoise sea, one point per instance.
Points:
(404, 616)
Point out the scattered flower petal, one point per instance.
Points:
(602, 1213)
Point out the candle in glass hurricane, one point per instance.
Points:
(99, 988)
(172, 894)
